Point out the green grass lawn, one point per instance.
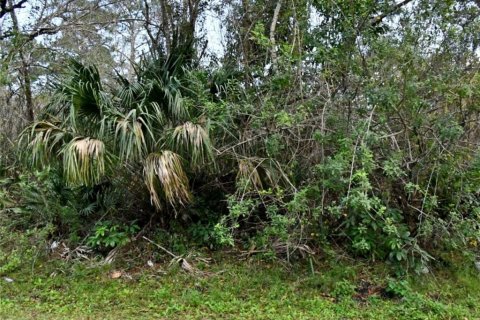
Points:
(237, 290)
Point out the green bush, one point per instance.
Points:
(108, 235)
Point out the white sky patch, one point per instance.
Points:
(214, 33)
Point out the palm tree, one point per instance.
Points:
(144, 129)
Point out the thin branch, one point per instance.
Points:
(378, 19)
(160, 247)
(4, 9)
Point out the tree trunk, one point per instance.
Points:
(24, 72)
(272, 35)
(245, 41)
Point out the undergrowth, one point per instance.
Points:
(231, 290)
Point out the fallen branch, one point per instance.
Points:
(162, 248)
(184, 264)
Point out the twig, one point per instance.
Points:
(160, 247)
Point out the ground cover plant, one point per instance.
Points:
(251, 290)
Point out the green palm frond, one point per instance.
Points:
(85, 99)
(78, 100)
(160, 79)
(86, 73)
(129, 136)
(85, 90)
(165, 170)
(154, 112)
(42, 138)
(167, 94)
(194, 141)
(59, 105)
(131, 94)
(175, 103)
(84, 161)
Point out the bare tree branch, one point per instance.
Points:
(4, 9)
(378, 19)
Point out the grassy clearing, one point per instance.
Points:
(237, 291)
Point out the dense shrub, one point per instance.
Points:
(360, 136)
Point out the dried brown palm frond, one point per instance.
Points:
(67, 253)
(84, 161)
(255, 173)
(248, 174)
(165, 170)
(193, 140)
(282, 249)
